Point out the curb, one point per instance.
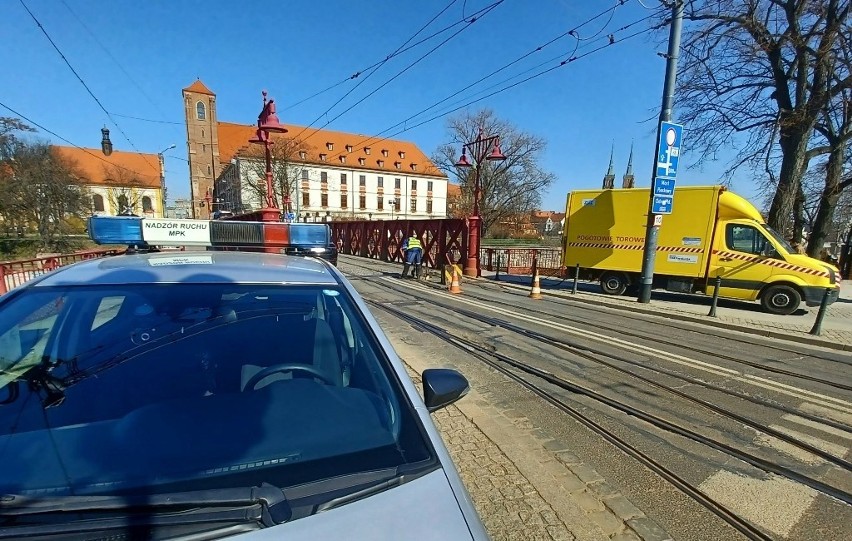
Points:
(698, 320)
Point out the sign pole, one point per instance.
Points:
(653, 228)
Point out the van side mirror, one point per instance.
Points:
(442, 387)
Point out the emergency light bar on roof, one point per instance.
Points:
(163, 232)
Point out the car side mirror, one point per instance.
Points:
(442, 387)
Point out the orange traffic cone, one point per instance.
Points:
(535, 292)
(455, 287)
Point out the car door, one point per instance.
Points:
(739, 257)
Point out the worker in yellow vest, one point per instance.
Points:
(413, 250)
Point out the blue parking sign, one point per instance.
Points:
(662, 204)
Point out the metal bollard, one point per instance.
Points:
(534, 269)
(823, 306)
(716, 287)
(576, 279)
(499, 257)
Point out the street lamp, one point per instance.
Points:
(267, 123)
(481, 149)
(163, 178)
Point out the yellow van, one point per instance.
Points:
(710, 233)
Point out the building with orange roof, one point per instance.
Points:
(122, 181)
(318, 173)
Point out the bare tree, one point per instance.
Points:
(42, 191)
(286, 164)
(510, 188)
(758, 75)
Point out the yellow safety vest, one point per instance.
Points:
(414, 242)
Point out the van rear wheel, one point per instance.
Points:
(781, 300)
(614, 283)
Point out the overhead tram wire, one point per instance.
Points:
(53, 133)
(472, 20)
(571, 58)
(573, 32)
(79, 78)
(375, 67)
(120, 66)
(362, 70)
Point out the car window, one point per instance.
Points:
(745, 238)
(194, 386)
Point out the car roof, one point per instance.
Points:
(194, 267)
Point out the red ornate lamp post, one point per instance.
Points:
(267, 123)
(481, 149)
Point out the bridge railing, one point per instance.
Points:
(520, 260)
(18, 272)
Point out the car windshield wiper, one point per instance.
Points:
(264, 506)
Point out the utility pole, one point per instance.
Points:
(652, 229)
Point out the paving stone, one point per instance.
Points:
(608, 522)
(587, 474)
(648, 530)
(623, 508)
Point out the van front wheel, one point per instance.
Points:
(781, 300)
(614, 283)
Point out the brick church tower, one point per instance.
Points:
(202, 141)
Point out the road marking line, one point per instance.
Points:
(828, 413)
(818, 426)
(747, 496)
(790, 390)
(832, 448)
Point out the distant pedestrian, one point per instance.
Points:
(413, 250)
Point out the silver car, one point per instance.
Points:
(204, 395)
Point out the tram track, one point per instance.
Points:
(563, 300)
(482, 353)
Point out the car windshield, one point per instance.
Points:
(779, 239)
(178, 387)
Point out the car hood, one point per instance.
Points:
(422, 509)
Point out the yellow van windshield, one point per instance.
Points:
(779, 239)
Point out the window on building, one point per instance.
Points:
(413, 184)
(362, 161)
(343, 159)
(380, 204)
(329, 146)
(414, 167)
(362, 202)
(323, 177)
(146, 204)
(413, 206)
(381, 182)
(304, 174)
(429, 206)
(397, 183)
(344, 201)
(348, 148)
(343, 179)
(397, 164)
(429, 185)
(306, 199)
(381, 163)
(402, 154)
(303, 154)
(366, 150)
(202, 132)
(209, 170)
(362, 180)
(122, 204)
(98, 203)
(203, 147)
(385, 152)
(200, 111)
(324, 200)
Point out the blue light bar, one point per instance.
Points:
(115, 229)
(302, 234)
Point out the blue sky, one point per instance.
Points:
(135, 57)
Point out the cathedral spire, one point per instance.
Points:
(629, 180)
(609, 179)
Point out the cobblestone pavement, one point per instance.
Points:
(523, 486)
(745, 317)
